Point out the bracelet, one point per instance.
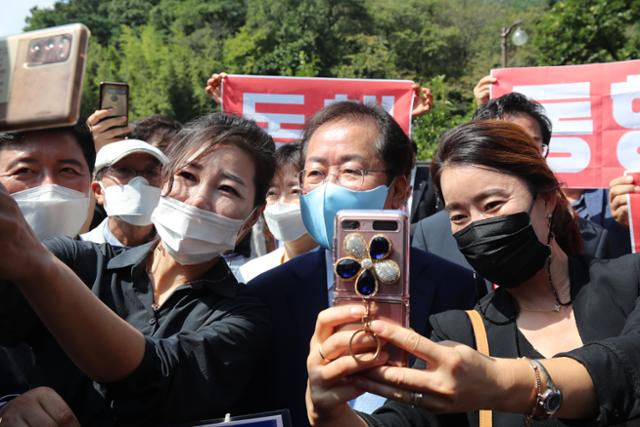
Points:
(538, 386)
(549, 400)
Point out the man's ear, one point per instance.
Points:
(97, 192)
(399, 192)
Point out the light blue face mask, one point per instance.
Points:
(320, 206)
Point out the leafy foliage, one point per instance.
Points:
(166, 49)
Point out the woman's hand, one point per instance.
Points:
(482, 91)
(213, 87)
(330, 364)
(40, 406)
(107, 130)
(422, 100)
(456, 379)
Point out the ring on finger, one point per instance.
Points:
(324, 358)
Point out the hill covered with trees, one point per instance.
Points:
(166, 49)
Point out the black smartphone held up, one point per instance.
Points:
(115, 96)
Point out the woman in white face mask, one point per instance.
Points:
(161, 333)
(282, 215)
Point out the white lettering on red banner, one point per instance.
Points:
(595, 113)
(282, 104)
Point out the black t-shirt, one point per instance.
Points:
(202, 345)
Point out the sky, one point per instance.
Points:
(14, 12)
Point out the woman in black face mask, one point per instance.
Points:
(515, 227)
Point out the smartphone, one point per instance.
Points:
(41, 75)
(115, 96)
(378, 242)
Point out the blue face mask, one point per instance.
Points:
(320, 206)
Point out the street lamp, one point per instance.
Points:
(518, 38)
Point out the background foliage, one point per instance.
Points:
(166, 49)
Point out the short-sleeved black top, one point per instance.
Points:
(202, 344)
(606, 300)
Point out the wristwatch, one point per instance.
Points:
(549, 400)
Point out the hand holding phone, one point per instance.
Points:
(115, 98)
(106, 129)
(110, 122)
(371, 265)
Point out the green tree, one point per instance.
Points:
(578, 32)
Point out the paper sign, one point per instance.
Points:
(633, 203)
(281, 105)
(595, 113)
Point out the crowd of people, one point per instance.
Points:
(161, 273)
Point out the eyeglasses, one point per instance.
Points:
(124, 173)
(345, 177)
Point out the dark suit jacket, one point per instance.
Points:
(433, 234)
(605, 297)
(423, 199)
(297, 291)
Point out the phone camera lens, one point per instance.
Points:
(350, 224)
(385, 225)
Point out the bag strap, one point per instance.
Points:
(482, 345)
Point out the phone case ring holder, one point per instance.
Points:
(367, 265)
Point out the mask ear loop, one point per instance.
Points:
(552, 236)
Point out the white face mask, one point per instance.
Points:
(192, 235)
(285, 221)
(53, 210)
(133, 202)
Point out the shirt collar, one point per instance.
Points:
(108, 235)
(218, 279)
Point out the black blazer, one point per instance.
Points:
(604, 293)
(297, 291)
(424, 201)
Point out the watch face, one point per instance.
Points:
(552, 399)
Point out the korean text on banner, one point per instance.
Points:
(633, 204)
(595, 113)
(282, 104)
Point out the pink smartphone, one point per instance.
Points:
(371, 265)
(41, 76)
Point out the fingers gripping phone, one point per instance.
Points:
(371, 265)
(41, 76)
(115, 97)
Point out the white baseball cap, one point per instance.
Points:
(116, 151)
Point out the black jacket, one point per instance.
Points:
(605, 299)
(297, 291)
(202, 346)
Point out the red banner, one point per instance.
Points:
(595, 112)
(633, 202)
(281, 105)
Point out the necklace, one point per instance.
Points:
(559, 304)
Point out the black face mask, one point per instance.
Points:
(503, 249)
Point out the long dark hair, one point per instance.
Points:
(201, 136)
(506, 148)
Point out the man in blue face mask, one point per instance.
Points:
(355, 157)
